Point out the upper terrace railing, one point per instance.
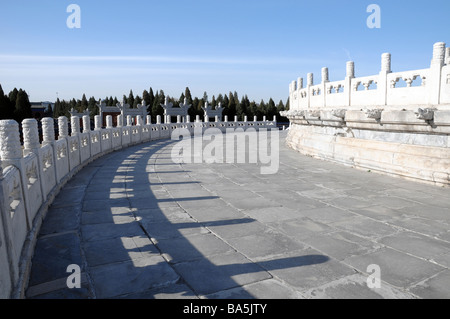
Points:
(33, 173)
(422, 87)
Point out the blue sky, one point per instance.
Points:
(254, 47)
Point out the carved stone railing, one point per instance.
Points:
(32, 174)
(422, 87)
(374, 123)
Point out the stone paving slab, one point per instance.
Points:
(141, 226)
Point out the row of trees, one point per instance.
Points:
(232, 104)
(17, 106)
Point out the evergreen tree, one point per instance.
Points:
(6, 109)
(146, 97)
(271, 110)
(187, 94)
(232, 105)
(157, 109)
(13, 97)
(137, 101)
(181, 99)
(23, 107)
(253, 111)
(92, 107)
(151, 100)
(130, 99)
(83, 104)
(58, 111)
(225, 105)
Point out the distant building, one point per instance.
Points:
(41, 109)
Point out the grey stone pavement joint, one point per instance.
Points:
(141, 226)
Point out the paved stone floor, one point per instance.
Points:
(140, 226)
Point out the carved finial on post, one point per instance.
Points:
(149, 119)
(299, 83)
(48, 131)
(439, 53)
(350, 69)
(386, 62)
(74, 125)
(158, 119)
(10, 148)
(310, 80)
(97, 122)
(120, 120)
(109, 121)
(129, 120)
(324, 75)
(63, 127)
(447, 56)
(86, 124)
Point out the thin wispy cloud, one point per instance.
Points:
(157, 59)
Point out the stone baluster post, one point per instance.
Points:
(30, 137)
(264, 118)
(98, 123)
(31, 145)
(74, 125)
(149, 120)
(129, 120)
(48, 135)
(63, 127)
(217, 119)
(225, 118)
(324, 82)
(235, 118)
(178, 119)
(434, 80)
(350, 74)
(6, 240)
(120, 120)
(447, 56)
(86, 124)
(109, 122)
(309, 83)
(11, 154)
(48, 131)
(158, 119)
(383, 85)
(188, 119)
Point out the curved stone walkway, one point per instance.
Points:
(140, 226)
